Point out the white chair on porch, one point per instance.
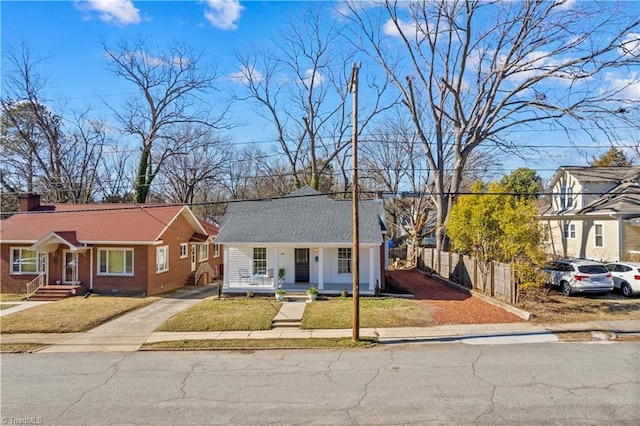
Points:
(244, 275)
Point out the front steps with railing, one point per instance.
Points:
(51, 293)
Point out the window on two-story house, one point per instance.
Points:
(566, 197)
(599, 235)
(216, 250)
(259, 260)
(184, 250)
(344, 260)
(569, 231)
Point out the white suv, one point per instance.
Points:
(579, 276)
(626, 277)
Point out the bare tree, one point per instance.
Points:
(202, 160)
(41, 149)
(300, 84)
(170, 85)
(471, 72)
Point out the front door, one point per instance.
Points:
(194, 260)
(70, 267)
(302, 265)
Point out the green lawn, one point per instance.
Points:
(10, 297)
(225, 315)
(301, 343)
(374, 312)
(75, 314)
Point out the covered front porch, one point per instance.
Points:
(293, 288)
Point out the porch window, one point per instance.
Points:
(162, 259)
(24, 261)
(569, 231)
(259, 260)
(344, 260)
(216, 250)
(184, 247)
(203, 252)
(599, 242)
(115, 261)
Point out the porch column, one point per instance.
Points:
(276, 265)
(91, 268)
(320, 268)
(372, 269)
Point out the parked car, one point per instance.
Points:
(626, 277)
(579, 276)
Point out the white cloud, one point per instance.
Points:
(223, 14)
(245, 74)
(312, 79)
(565, 4)
(630, 45)
(627, 88)
(117, 12)
(408, 28)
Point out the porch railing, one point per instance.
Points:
(35, 284)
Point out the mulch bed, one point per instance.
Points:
(452, 306)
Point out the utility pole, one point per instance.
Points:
(355, 266)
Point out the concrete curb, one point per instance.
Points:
(507, 307)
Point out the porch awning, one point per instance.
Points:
(198, 238)
(50, 242)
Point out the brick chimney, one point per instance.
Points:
(29, 201)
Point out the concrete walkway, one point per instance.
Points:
(128, 332)
(19, 306)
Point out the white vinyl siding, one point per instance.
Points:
(115, 261)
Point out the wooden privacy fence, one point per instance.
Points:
(497, 281)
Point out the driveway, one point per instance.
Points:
(452, 306)
(129, 332)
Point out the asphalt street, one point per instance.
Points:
(443, 383)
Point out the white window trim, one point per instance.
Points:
(216, 250)
(566, 197)
(571, 234)
(185, 247)
(111, 274)
(162, 268)
(254, 268)
(12, 272)
(595, 233)
(350, 259)
(200, 252)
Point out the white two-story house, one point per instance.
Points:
(594, 213)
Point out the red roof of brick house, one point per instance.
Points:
(96, 223)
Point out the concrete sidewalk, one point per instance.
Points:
(484, 334)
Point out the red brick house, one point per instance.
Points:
(106, 248)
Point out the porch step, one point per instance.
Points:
(54, 293)
(191, 279)
(290, 314)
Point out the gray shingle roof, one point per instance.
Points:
(304, 216)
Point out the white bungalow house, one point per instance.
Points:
(594, 213)
(306, 235)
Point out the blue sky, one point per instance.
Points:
(68, 33)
